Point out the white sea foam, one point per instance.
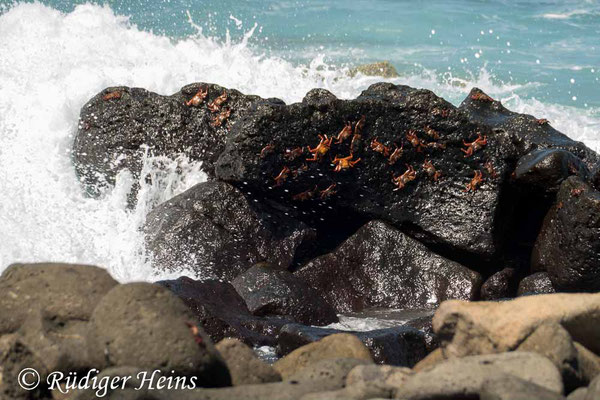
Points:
(51, 63)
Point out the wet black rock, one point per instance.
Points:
(268, 291)
(536, 283)
(402, 345)
(440, 212)
(544, 170)
(120, 125)
(380, 266)
(568, 246)
(223, 313)
(502, 284)
(216, 231)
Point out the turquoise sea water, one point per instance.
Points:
(550, 47)
(537, 57)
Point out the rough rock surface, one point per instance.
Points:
(500, 285)
(380, 266)
(537, 283)
(401, 345)
(244, 366)
(213, 229)
(145, 325)
(333, 370)
(341, 345)
(466, 376)
(568, 246)
(509, 387)
(60, 291)
(438, 212)
(393, 376)
(223, 313)
(588, 363)
(116, 132)
(465, 328)
(268, 291)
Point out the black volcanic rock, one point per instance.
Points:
(120, 124)
(402, 346)
(223, 313)
(439, 212)
(380, 266)
(568, 246)
(500, 285)
(267, 291)
(545, 169)
(537, 283)
(215, 230)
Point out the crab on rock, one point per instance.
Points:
(282, 177)
(475, 145)
(475, 182)
(431, 171)
(220, 118)
(396, 155)
(412, 137)
(198, 98)
(344, 133)
(330, 191)
(409, 175)
(380, 147)
(215, 105)
(344, 163)
(321, 149)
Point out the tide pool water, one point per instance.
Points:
(537, 57)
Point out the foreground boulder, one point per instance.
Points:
(401, 345)
(465, 328)
(466, 377)
(214, 230)
(380, 266)
(223, 313)
(341, 345)
(244, 366)
(146, 326)
(267, 291)
(568, 246)
(120, 125)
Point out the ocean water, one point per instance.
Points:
(538, 57)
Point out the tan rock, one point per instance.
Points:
(340, 345)
(433, 358)
(385, 69)
(589, 363)
(244, 366)
(387, 374)
(465, 328)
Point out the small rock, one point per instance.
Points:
(509, 387)
(389, 375)
(268, 291)
(340, 345)
(500, 285)
(335, 371)
(464, 377)
(568, 246)
(578, 394)
(433, 358)
(244, 366)
(465, 328)
(380, 266)
(145, 325)
(588, 362)
(537, 283)
(214, 230)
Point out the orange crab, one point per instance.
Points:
(330, 191)
(198, 98)
(344, 163)
(268, 149)
(321, 149)
(431, 133)
(475, 182)
(220, 118)
(577, 192)
(409, 175)
(396, 155)
(441, 112)
(542, 121)
(195, 333)
(481, 97)
(475, 145)
(380, 147)
(282, 177)
(215, 105)
(291, 155)
(359, 125)
(344, 133)
(412, 137)
(431, 171)
(306, 195)
(489, 167)
(112, 95)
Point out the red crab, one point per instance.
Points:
(268, 149)
(306, 195)
(220, 118)
(396, 155)
(291, 155)
(475, 182)
(344, 163)
(198, 98)
(344, 133)
(409, 175)
(412, 137)
(215, 105)
(475, 145)
(282, 177)
(321, 149)
(481, 97)
(330, 191)
(380, 147)
(431, 171)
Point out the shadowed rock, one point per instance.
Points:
(380, 266)
(217, 232)
(537, 283)
(500, 285)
